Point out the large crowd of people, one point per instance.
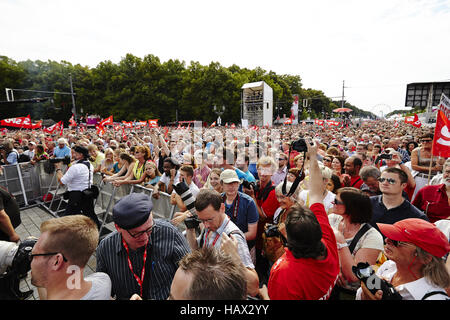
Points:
(264, 218)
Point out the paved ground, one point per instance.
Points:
(31, 221)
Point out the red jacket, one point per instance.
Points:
(433, 201)
(306, 278)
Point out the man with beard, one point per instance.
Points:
(351, 178)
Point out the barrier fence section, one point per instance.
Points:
(37, 185)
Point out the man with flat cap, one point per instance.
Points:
(142, 256)
(77, 178)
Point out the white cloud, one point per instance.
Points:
(376, 47)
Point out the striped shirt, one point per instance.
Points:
(214, 238)
(166, 247)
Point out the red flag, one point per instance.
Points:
(213, 124)
(62, 128)
(416, 123)
(100, 130)
(233, 126)
(288, 121)
(414, 120)
(37, 125)
(53, 128)
(441, 141)
(319, 122)
(124, 136)
(72, 122)
(153, 123)
(107, 121)
(19, 122)
(128, 124)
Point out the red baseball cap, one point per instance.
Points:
(419, 232)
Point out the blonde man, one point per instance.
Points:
(60, 256)
(266, 203)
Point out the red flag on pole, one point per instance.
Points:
(441, 141)
(72, 122)
(53, 128)
(107, 121)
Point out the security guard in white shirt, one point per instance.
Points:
(77, 179)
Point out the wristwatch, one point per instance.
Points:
(342, 245)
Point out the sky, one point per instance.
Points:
(373, 48)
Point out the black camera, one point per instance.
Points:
(364, 272)
(250, 185)
(192, 222)
(272, 231)
(386, 156)
(65, 160)
(21, 264)
(299, 145)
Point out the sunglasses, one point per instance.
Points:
(426, 140)
(389, 180)
(336, 202)
(396, 243)
(32, 255)
(327, 160)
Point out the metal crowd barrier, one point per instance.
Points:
(32, 185)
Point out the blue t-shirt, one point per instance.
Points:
(253, 171)
(12, 157)
(61, 153)
(246, 214)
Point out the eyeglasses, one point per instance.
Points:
(32, 255)
(139, 234)
(389, 180)
(336, 202)
(206, 220)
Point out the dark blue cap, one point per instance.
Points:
(132, 210)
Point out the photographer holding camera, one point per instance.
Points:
(218, 231)
(78, 179)
(309, 268)
(415, 268)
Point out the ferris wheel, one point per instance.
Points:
(381, 109)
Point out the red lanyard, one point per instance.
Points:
(235, 205)
(141, 279)
(205, 244)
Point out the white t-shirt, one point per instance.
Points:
(166, 180)
(101, 287)
(77, 177)
(194, 189)
(327, 201)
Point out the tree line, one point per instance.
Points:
(146, 88)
